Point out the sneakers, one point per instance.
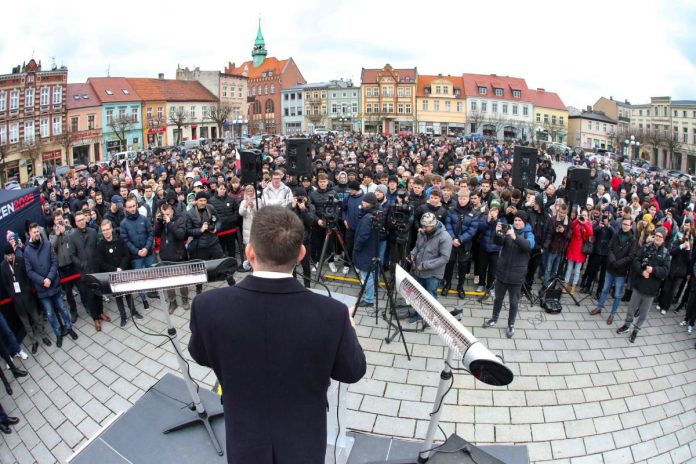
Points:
(489, 323)
(137, 315)
(345, 270)
(146, 305)
(623, 329)
(480, 288)
(510, 331)
(663, 311)
(682, 323)
(314, 268)
(633, 336)
(72, 334)
(124, 321)
(22, 355)
(332, 267)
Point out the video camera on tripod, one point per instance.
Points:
(330, 210)
(401, 218)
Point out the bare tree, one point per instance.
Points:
(672, 145)
(178, 118)
(474, 118)
(498, 121)
(219, 113)
(654, 138)
(120, 126)
(65, 141)
(32, 150)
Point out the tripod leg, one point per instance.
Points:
(391, 306)
(322, 256)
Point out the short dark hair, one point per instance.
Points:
(277, 235)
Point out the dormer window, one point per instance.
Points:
(498, 92)
(85, 97)
(76, 97)
(109, 92)
(482, 90)
(125, 92)
(517, 93)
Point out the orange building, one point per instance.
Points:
(389, 100)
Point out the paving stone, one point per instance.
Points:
(382, 406)
(395, 426)
(619, 456)
(568, 448)
(70, 434)
(599, 443)
(545, 432)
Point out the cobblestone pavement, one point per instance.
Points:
(581, 394)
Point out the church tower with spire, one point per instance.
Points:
(259, 51)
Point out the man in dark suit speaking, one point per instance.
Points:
(274, 345)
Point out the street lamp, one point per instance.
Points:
(634, 145)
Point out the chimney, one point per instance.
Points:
(160, 76)
(539, 89)
(589, 107)
(611, 98)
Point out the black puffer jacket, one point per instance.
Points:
(113, 255)
(602, 238)
(514, 257)
(659, 259)
(227, 210)
(680, 259)
(194, 221)
(620, 255)
(173, 238)
(84, 250)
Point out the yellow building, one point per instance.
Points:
(550, 117)
(155, 124)
(388, 98)
(440, 105)
(591, 130)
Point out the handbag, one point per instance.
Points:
(586, 244)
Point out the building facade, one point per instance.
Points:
(344, 105)
(292, 104)
(592, 130)
(440, 105)
(498, 106)
(33, 116)
(316, 100)
(550, 117)
(84, 125)
(267, 77)
(388, 98)
(620, 111)
(121, 114)
(233, 94)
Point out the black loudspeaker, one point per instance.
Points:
(250, 161)
(297, 157)
(578, 185)
(524, 166)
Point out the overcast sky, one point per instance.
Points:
(582, 50)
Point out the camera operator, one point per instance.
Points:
(462, 224)
(366, 246)
(352, 212)
(540, 222)
(597, 264)
(325, 201)
(170, 226)
(517, 241)
(557, 243)
(228, 214)
(651, 264)
(489, 250)
(305, 211)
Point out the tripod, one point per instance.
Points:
(332, 233)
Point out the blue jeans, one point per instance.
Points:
(383, 255)
(369, 294)
(8, 337)
(55, 302)
(141, 263)
(552, 261)
(430, 284)
(619, 282)
(572, 270)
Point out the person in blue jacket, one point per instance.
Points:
(462, 224)
(489, 249)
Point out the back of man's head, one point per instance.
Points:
(276, 237)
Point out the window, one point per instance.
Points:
(57, 125)
(384, 91)
(193, 112)
(272, 89)
(448, 106)
(597, 126)
(3, 134)
(148, 113)
(560, 121)
(323, 94)
(134, 114)
(604, 128)
(90, 122)
(664, 111)
(437, 89)
(293, 112)
(29, 98)
(640, 112)
(408, 108)
(29, 132)
(425, 105)
(553, 119)
(589, 125)
(445, 90)
(73, 124)
(685, 135)
(408, 91)
(14, 133)
(286, 97)
(286, 112)
(253, 91)
(368, 108)
(459, 107)
(44, 128)
(694, 114)
(375, 91)
(224, 90)
(323, 109)
(369, 91)
(391, 107)
(384, 107)
(675, 113)
(484, 106)
(44, 96)
(684, 114)
(122, 112)
(482, 90)
(159, 113)
(516, 93)
(110, 116)
(473, 106)
(3, 101)
(240, 92)
(538, 117)
(125, 91)
(525, 111)
(14, 100)
(316, 95)
(57, 95)
(514, 110)
(505, 108)
(204, 112)
(436, 105)
(400, 92)
(334, 108)
(299, 111)
(265, 89)
(355, 108)
(400, 108)
(498, 92)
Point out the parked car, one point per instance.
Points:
(475, 137)
(12, 184)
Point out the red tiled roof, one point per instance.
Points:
(171, 90)
(427, 80)
(490, 81)
(247, 68)
(116, 86)
(547, 100)
(81, 96)
(369, 76)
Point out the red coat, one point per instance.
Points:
(575, 247)
(616, 183)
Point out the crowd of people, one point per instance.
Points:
(442, 207)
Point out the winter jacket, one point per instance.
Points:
(136, 231)
(620, 255)
(61, 245)
(352, 210)
(308, 218)
(113, 255)
(462, 223)
(659, 259)
(602, 237)
(488, 244)
(540, 224)
(575, 248)
(172, 238)
(83, 245)
(431, 253)
(194, 221)
(439, 212)
(558, 241)
(42, 263)
(227, 210)
(281, 197)
(680, 259)
(116, 219)
(247, 215)
(365, 242)
(514, 256)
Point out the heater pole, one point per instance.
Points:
(445, 379)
